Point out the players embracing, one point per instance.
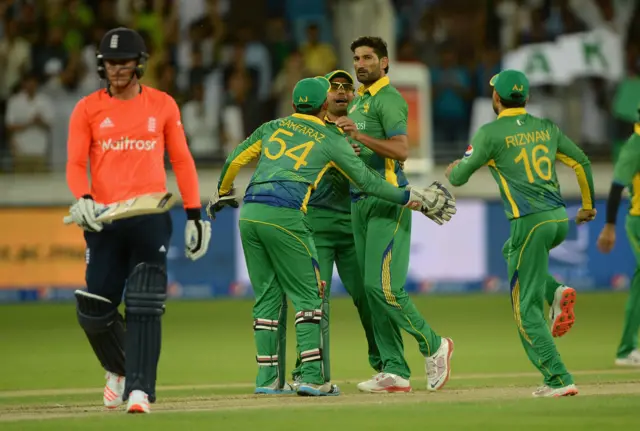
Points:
(123, 131)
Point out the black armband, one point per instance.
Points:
(193, 213)
(613, 202)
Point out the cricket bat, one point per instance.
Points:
(152, 203)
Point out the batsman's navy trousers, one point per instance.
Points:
(112, 253)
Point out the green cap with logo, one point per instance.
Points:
(339, 74)
(511, 85)
(310, 93)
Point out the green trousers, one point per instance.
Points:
(382, 233)
(527, 255)
(282, 263)
(629, 341)
(333, 236)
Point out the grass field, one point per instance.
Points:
(51, 380)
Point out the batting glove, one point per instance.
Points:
(84, 211)
(197, 234)
(217, 203)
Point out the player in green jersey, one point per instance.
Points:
(627, 174)
(329, 215)
(378, 122)
(521, 151)
(294, 154)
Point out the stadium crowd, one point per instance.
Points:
(230, 70)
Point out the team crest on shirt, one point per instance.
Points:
(365, 108)
(151, 124)
(469, 151)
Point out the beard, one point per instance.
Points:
(368, 77)
(495, 107)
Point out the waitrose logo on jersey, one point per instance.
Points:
(127, 144)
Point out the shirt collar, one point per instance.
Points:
(375, 87)
(309, 118)
(636, 128)
(512, 112)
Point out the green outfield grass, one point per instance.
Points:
(51, 380)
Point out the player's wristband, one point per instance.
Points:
(193, 213)
(613, 202)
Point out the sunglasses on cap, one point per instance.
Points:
(345, 86)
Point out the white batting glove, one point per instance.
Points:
(83, 213)
(433, 202)
(197, 234)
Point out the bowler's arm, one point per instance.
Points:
(394, 112)
(623, 173)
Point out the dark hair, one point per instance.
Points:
(513, 103)
(378, 45)
(305, 107)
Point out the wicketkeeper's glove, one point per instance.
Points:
(217, 203)
(435, 202)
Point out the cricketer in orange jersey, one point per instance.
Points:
(123, 131)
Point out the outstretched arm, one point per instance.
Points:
(477, 155)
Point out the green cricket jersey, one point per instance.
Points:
(381, 112)
(295, 152)
(627, 170)
(521, 151)
(333, 190)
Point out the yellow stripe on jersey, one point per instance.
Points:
(314, 186)
(505, 187)
(635, 198)
(587, 202)
(236, 164)
(390, 171)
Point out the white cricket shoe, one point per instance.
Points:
(561, 315)
(565, 391)
(631, 360)
(438, 365)
(275, 389)
(385, 383)
(138, 402)
(113, 390)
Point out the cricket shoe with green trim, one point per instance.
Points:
(561, 315)
(385, 383)
(275, 389)
(565, 391)
(324, 390)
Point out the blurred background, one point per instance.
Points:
(231, 65)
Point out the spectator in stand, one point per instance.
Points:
(319, 57)
(29, 118)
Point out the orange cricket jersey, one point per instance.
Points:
(124, 141)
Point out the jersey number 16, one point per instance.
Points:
(541, 163)
(298, 153)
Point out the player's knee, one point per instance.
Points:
(95, 313)
(146, 290)
(313, 317)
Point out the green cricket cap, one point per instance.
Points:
(310, 93)
(340, 74)
(511, 85)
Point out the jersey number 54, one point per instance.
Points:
(298, 153)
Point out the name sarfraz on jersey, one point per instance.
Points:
(127, 144)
